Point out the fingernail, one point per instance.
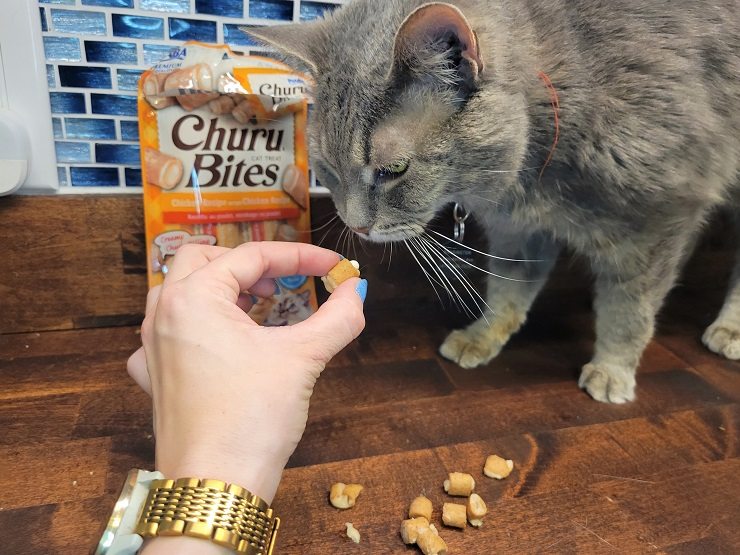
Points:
(277, 288)
(362, 289)
(254, 299)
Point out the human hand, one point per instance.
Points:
(231, 397)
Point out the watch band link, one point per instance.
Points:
(226, 514)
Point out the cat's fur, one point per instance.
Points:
(649, 146)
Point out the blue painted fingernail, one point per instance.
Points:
(254, 299)
(362, 289)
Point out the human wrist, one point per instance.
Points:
(260, 475)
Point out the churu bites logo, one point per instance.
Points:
(225, 153)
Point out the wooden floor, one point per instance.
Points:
(661, 474)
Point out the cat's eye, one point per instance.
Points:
(393, 170)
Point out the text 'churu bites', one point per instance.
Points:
(224, 162)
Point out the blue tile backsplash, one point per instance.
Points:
(193, 29)
(227, 8)
(85, 77)
(113, 104)
(67, 103)
(271, 9)
(78, 22)
(109, 52)
(66, 49)
(90, 129)
(97, 49)
(137, 27)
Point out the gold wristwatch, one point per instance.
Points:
(226, 514)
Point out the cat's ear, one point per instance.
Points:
(437, 41)
(299, 42)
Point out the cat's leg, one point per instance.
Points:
(631, 286)
(723, 336)
(508, 300)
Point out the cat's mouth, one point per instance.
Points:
(393, 234)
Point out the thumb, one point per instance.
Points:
(139, 371)
(337, 322)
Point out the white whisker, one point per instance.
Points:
(484, 253)
(473, 265)
(408, 246)
(449, 288)
(472, 291)
(331, 220)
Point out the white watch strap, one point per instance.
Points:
(119, 537)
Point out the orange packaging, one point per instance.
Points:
(224, 161)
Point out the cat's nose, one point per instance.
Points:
(361, 230)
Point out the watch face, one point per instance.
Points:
(116, 517)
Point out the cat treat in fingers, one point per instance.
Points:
(340, 273)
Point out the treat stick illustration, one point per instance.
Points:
(194, 78)
(294, 183)
(224, 104)
(249, 108)
(153, 86)
(162, 170)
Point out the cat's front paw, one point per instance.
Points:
(723, 339)
(608, 384)
(469, 348)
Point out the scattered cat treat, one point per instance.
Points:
(352, 532)
(410, 528)
(220, 133)
(344, 496)
(454, 515)
(340, 273)
(421, 507)
(420, 532)
(498, 467)
(430, 542)
(476, 509)
(459, 484)
(162, 170)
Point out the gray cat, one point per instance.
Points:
(420, 105)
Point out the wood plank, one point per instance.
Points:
(628, 481)
(121, 340)
(71, 362)
(114, 411)
(53, 472)
(32, 420)
(76, 243)
(349, 433)
(374, 384)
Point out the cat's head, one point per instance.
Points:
(394, 125)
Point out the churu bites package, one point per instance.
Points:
(224, 161)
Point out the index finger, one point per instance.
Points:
(246, 264)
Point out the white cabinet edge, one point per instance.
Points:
(25, 91)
